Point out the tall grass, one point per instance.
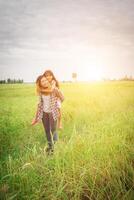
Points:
(94, 157)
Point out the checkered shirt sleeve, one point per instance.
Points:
(39, 113)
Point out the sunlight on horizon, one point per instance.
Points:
(90, 63)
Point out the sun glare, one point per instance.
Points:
(89, 65)
(91, 71)
(94, 73)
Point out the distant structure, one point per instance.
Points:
(74, 77)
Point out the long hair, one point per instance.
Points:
(51, 73)
(38, 84)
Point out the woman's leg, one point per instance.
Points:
(53, 125)
(47, 127)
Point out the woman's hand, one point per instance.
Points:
(48, 89)
(34, 121)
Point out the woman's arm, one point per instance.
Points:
(46, 90)
(39, 112)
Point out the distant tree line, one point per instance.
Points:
(11, 81)
(125, 78)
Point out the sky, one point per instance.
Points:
(95, 39)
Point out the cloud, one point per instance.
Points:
(44, 30)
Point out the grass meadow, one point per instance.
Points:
(94, 157)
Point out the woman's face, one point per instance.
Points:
(44, 82)
(49, 77)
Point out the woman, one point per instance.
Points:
(54, 82)
(47, 110)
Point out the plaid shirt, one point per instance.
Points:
(54, 96)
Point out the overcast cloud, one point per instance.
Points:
(66, 36)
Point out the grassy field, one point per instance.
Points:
(94, 158)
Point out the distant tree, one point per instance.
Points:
(8, 80)
(2, 81)
(11, 81)
(20, 81)
(126, 78)
(14, 80)
(131, 78)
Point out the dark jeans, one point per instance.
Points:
(50, 128)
